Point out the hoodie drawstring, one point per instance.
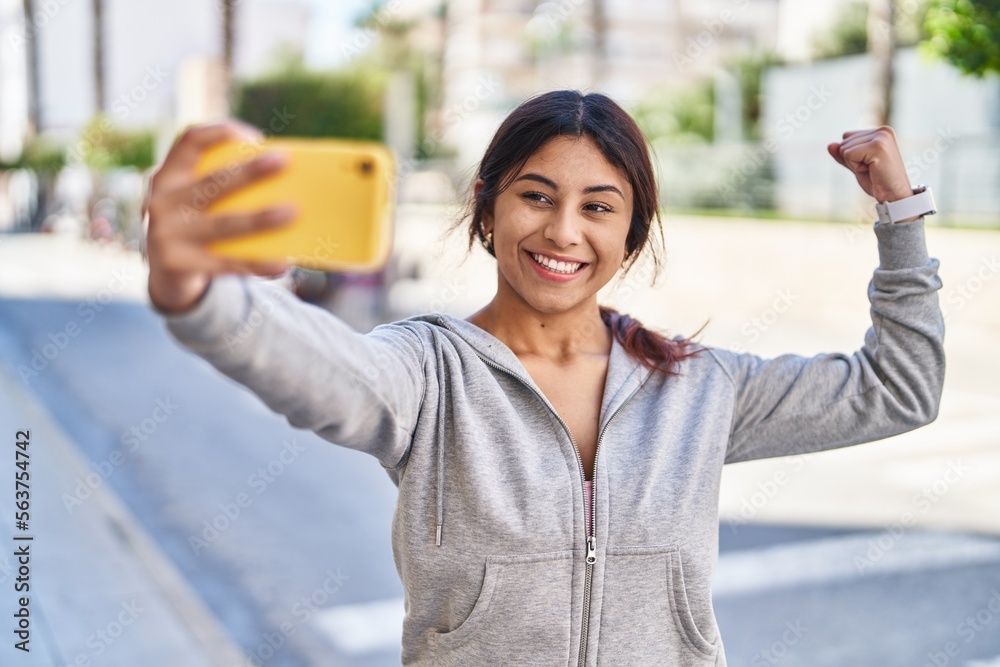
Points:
(440, 445)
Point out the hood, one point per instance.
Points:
(625, 375)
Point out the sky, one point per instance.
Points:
(332, 26)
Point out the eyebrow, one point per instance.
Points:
(549, 182)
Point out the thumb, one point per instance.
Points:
(834, 150)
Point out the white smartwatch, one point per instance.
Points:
(920, 203)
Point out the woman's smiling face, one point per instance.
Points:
(567, 203)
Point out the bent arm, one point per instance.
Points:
(794, 404)
(362, 391)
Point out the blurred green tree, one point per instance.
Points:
(295, 101)
(749, 70)
(849, 33)
(45, 157)
(847, 36)
(42, 155)
(965, 33)
(398, 49)
(683, 114)
(103, 145)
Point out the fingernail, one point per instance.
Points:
(284, 212)
(273, 159)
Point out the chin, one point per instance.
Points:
(552, 306)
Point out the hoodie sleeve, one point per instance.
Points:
(795, 404)
(361, 391)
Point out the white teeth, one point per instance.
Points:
(558, 267)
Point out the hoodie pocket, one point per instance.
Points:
(522, 615)
(645, 617)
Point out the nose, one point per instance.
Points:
(564, 227)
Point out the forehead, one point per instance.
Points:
(573, 159)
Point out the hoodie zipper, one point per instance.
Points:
(591, 544)
(591, 539)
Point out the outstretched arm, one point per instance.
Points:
(794, 404)
(360, 391)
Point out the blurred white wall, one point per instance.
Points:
(948, 126)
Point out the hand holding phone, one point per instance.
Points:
(180, 230)
(340, 188)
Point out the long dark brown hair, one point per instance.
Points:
(571, 113)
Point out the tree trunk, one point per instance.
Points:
(98, 6)
(31, 62)
(228, 20)
(881, 46)
(600, 25)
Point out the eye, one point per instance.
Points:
(535, 197)
(598, 207)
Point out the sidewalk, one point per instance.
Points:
(102, 594)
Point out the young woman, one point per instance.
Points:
(558, 465)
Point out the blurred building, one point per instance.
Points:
(496, 53)
(13, 81)
(799, 21)
(161, 60)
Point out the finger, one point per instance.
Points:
(834, 150)
(860, 155)
(860, 139)
(244, 267)
(239, 224)
(226, 180)
(187, 150)
(226, 265)
(270, 268)
(883, 136)
(854, 133)
(881, 129)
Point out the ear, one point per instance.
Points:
(487, 211)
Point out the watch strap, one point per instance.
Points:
(919, 204)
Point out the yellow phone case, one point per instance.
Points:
(341, 188)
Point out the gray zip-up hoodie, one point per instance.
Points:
(489, 536)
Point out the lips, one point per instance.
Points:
(557, 266)
(551, 276)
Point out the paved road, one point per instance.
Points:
(315, 522)
(188, 443)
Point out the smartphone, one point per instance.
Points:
(342, 190)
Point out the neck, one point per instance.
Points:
(559, 337)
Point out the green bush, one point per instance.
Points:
(297, 102)
(103, 146)
(41, 155)
(682, 114)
